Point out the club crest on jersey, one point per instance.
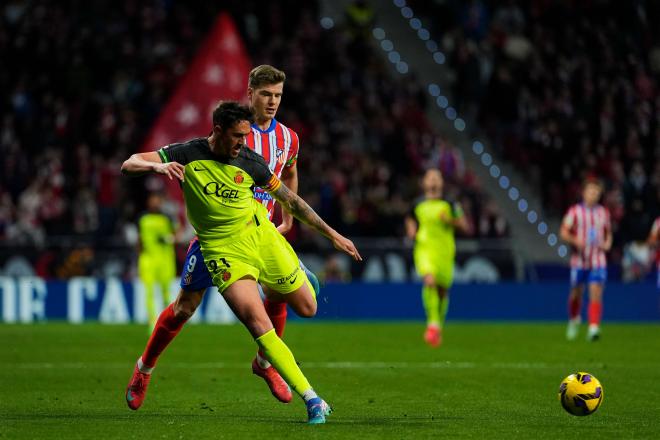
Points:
(238, 178)
(225, 276)
(280, 155)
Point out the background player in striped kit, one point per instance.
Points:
(278, 145)
(586, 228)
(654, 240)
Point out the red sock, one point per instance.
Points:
(167, 327)
(574, 306)
(277, 313)
(595, 312)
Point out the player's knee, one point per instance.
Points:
(429, 280)
(307, 309)
(184, 312)
(257, 326)
(184, 309)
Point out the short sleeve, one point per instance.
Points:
(292, 158)
(456, 210)
(175, 153)
(412, 212)
(262, 175)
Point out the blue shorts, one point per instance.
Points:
(196, 276)
(588, 276)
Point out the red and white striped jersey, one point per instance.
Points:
(655, 231)
(279, 147)
(590, 225)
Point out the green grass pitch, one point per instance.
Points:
(487, 381)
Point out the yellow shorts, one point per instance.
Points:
(263, 254)
(156, 269)
(441, 267)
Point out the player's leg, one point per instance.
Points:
(431, 302)
(195, 280)
(575, 303)
(276, 305)
(444, 279)
(284, 275)
(169, 324)
(595, 310)
(303, 303)
(443, 297)
(243, 298)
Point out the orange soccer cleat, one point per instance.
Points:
(277, 385)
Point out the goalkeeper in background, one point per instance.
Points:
(157, 257)
(431, 225)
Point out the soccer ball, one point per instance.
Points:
(580, 394)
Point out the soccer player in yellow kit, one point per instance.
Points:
(239, 244)
(432, 224)
(157, 259)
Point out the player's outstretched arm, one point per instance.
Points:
(290, 179)
(303, 212)
(411, 227)
(652, 239)
(143, 163)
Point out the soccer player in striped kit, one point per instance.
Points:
(278, 145)
(586, 228)
(654, 240)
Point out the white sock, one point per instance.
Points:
(309, 395)
(263, 363)
(142, 368)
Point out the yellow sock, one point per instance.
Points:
(431, 305)
(444, 306)
(282, 359)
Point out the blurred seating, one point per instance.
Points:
(564, 90)
(98, 73)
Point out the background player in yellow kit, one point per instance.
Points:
(157, 259)
(431, 224)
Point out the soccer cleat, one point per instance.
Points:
(137, 389)
(593, 334)
(317, 410)
(277, 385)
(572, 329)
(432, 336)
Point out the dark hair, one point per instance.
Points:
(228, 113)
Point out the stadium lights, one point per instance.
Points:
(459, 124)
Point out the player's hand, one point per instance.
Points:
(445, 218)
(170, 169)
(343, 244)
(284, 227)
(579, 244)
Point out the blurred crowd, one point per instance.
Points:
(565, 90)
(82, 83)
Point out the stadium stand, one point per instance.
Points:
(97, 75)
(563, 95)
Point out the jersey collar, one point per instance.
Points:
(273, 124)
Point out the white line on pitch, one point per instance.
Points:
(371, 365)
